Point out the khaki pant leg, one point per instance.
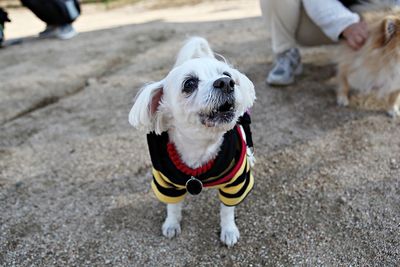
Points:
(308, 33)
(289, 25)
(282, 18)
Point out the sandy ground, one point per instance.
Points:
(74, 176)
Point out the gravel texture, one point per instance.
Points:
(75, 181)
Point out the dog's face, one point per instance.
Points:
(200, 94)
(205, 92)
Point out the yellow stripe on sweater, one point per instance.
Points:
(164, 198)
(164, 181)
(235, 201)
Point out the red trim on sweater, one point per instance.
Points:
(180, 165)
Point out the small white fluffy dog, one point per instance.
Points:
(195, 109)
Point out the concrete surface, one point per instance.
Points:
(74, 176)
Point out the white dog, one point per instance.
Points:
(192, 118)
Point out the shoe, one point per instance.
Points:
(49, 32)
(287, 66)
(65, 32)
(62, 32)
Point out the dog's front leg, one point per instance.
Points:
(342, 94)
(229, 231)
(394, 103)
(171, 226)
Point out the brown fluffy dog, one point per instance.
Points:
(375, 68)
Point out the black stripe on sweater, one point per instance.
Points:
(170, 192)
(238, 194)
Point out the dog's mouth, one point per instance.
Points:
(221, 114)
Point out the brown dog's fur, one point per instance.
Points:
(375, 68)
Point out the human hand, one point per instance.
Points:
(356, 34)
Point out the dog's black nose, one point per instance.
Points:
(226, 84)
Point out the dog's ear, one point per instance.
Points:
(247, 91)
(391, 27)
(146, 112)
(195, 47)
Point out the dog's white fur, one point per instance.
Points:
(162, 106)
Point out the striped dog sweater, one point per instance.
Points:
(230, 172)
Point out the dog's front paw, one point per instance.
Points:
(230, 235)
(393, 112)
(342, 101)
(171, 229)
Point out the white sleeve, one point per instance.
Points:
(331, 16)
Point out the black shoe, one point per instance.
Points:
(3, 19)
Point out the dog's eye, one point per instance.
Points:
(190, 85)
(227, 74)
